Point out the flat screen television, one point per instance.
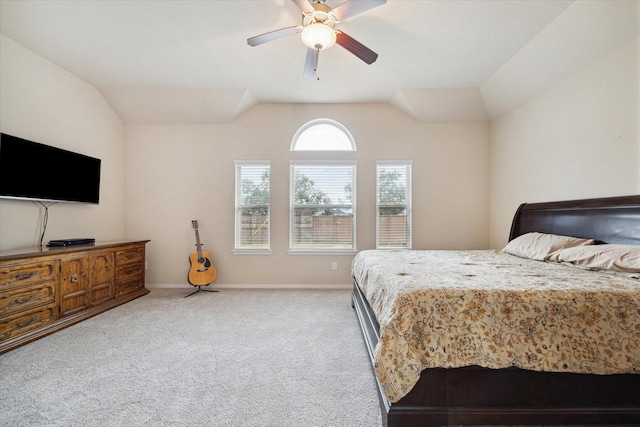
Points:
(33, 171)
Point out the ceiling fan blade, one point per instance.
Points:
(304, 5)
(311, 63)
(273, 35)
(355, 47)
(354, 7)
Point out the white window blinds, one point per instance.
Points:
(393, 196)
(322, 206)
(252, 227)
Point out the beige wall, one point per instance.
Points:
(178, 173)
(579, 139)
(42, 102)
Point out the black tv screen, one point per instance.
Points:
(33, 171)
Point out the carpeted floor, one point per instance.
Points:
(239, 357)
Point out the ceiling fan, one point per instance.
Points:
(318, 30)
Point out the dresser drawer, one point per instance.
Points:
(127, 256)
(16, 276)
(131, 285)
(127, 272)
(23, 322)
(27, 297)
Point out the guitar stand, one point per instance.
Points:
(200, 289)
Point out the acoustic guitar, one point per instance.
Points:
(202, 272)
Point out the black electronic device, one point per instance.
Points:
(33, 171)
(71, 242)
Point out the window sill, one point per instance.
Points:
(322, 252)
(251, 251)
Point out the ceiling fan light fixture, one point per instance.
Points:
(318, 36)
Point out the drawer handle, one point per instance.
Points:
(131, 270)
(74, 278)
(130, 285)
(23, 300)
(24, 276)
(27, 322)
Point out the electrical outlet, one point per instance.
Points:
(334, 265)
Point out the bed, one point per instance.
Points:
(519, 376)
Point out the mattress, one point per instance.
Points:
(485, 308)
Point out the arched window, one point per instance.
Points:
(322, 192)
(323, 135)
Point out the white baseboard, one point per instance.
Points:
(251, 286)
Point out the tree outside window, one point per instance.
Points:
(393, 205)
(322, 209)
(253, 200)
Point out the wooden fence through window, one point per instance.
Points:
(325, 229)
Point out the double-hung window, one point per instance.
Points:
(322, 206)
(252, 219)
(393, 200)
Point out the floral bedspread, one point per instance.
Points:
(485, 308)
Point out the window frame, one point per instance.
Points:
(238, 248)
(292, 224)
(408, 165)
(317, 122)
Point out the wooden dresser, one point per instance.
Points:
(45, 290)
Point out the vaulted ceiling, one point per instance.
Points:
(189, 61)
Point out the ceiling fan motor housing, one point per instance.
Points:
(318, 32)
(322, 14)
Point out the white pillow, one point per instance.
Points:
(540, 246)
(625, 258)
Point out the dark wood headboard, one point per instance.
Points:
(607, 220)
